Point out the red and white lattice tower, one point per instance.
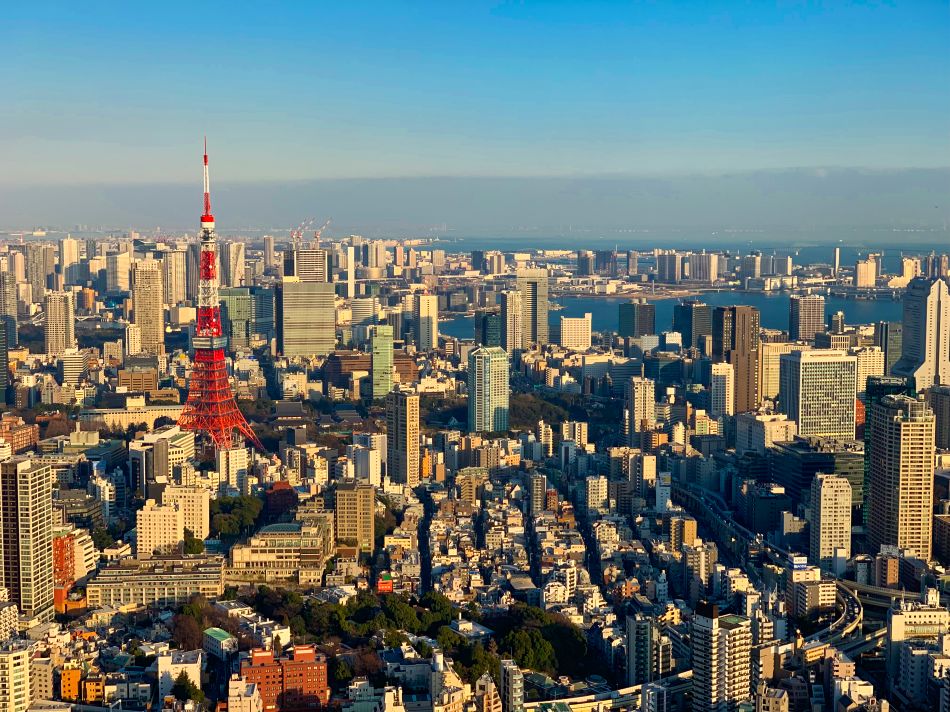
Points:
(210, 408)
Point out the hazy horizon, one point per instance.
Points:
(794, 199)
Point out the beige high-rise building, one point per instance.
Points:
(682, 530)
(174, 276)
(641, 406)
(870, 362)
(402, 441)
(159, 528)
(938, 398)
(901, 460)
(59, 328)
(232, 264)
(354, 512)
(770, 354)
(195, 506)
(69, 260)
(817, 390)
(722, 390)
(26, 535)
(118, 268)
(576, 332)
(512, 321)
(148, 312)
(16, 685)
(425, 316)
(925, 343)
(830, 526)
(865, 273)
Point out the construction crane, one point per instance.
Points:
(297, 234)
(318, 233)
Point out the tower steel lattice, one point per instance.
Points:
(211, 408)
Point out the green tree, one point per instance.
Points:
(193, 545)
(185, 689)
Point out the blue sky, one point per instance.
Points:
(119, 93)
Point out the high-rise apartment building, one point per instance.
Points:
(830, 526)
(669, 268)
(402, 437)
(533, 286)
(817, 391)
(17, 687)
(722, 395)
(869, 362)
(354, 511)
(270, 255)
(735, 337)
(938, 398)
(306, 318)
(641, 406)
(538, 491)
(693, 320)
(194, 503)
(148, 312)
(512, 321)
(488, 390)
(925, 342)
(381, 361)
(512, 687)
(704, 267)
(722, 670)
(425, 321)
(636, 318)
(806, 316)
(26, 535)
(59, 328)
(901, 461)
(159, 529)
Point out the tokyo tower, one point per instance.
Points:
(210, 408)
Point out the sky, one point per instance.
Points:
(109, 94)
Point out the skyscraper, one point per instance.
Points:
(806, 316)
(488, 329)
(817, 390)
(721, 648)
(830, 526)
(735, 337)
(26, 534)
(539, 488)
(902, 474)
(354, 512)
(693, 320)
(721, 390)
(402, 437)
(307, 265)
(270, 257)
(425, 314)
(889, 336)
(512, 321)
(381, 363)
(8, 306)
(533, 285)
(147, 305)
(488, 390)
(174, 276)
(59, 329)
(938, 398)
(641, 406)
(636, 318)
(306, 318)
(247, 315)
(877, 388)
(69, 264)
(575, 332)
(232, 264)
(925, 343)
(118, 269)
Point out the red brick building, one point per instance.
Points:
(295, 683)
(20, 435)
